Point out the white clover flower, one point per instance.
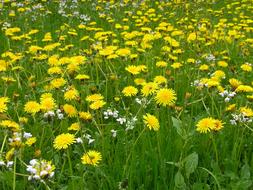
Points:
(88, 137)
(40, 169)
(114, 133)
(79, 140)
(9, 164)
(43, 173)
(60, 116)
(227, 99)
(2, 163)
(33, 162)
(27, 135)
(232, 94)
(121, 120)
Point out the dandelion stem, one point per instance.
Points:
(64, 162)
(42, 136)
(2, 148)
(47, 187)
(215, 148)
(248, 127)
(70, 168)
(217, 182)
(130, 153)
(14, 174)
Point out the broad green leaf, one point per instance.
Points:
(242, 185)
(245, 171)
(200, 186)
(178, 125)
(191, 163)
(179, 181)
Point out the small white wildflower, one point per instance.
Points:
(232, 94)
(121, 120)
(27, 135)
(51, 113)
(2, 163)
(233, 122)
(114, 133)
(115, 114)
(33, 162)
(91, 141)
(43, 173)
(227, 99)
(79, 140)
(138, 100)
(9, 164)
(60, 116)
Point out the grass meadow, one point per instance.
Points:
(125, 94)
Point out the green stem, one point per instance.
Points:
(130, 153)
(42, 136)
(47, 187)
(215, 178)
(14, 174)
(2, 148)
(70, 168)
(64, 162)
(215, 148)
(248, 127)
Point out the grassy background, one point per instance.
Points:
(175, 157)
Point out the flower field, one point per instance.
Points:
(124, 94)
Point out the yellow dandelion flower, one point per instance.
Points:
(74, 127)
(82, 77)
(107, 51)
(58, 82)
(160, 80)
(165, 97)
(70, 110)
(248, 112)
(222, 63)
(23, 120)
(10, 124)
(94, 98)
(97, 105)
(54, 70)
(130, 91)
(30, 141)
(123, 52)
(161, 64)
(32, 107)
(205, 125)
(71, 94)
(192, 37)
(191, 60)
(134, 70)
(219, 75)
(244, 88)
(92, 157)
(151, 122)
(47, 102)
(149, 88)
(218, 125)
(204, 67)
(176, 65)
(9, 155)
(246, 67)
(85, 115)
(63, 141)
(3, 106)
(231, 107)
(234, 82)
(250, 97)
(139, 81)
